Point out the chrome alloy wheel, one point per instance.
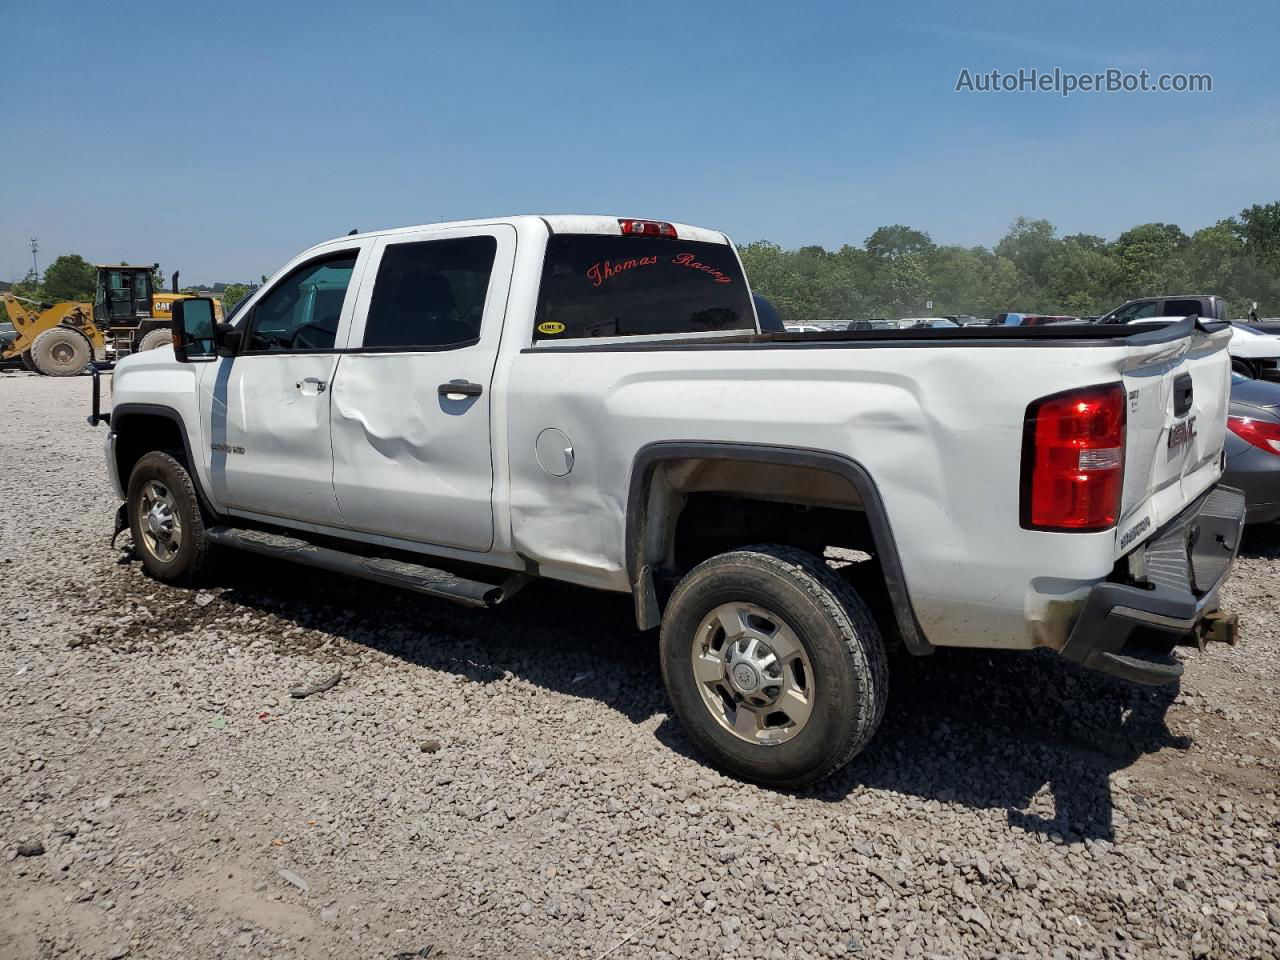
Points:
(159, 520)
(753, 673)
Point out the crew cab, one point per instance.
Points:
(1205, 306)
(461, 408)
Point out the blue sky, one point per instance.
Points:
(222, 138)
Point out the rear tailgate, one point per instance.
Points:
(1178, 381)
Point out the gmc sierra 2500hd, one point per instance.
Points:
(457, 408)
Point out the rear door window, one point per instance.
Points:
(613, 286)
(430, 295)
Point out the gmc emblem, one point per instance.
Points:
(1183, 432)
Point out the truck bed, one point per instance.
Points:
(1065, 334)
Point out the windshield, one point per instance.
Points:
(613, 286)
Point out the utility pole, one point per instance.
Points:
(35, 249)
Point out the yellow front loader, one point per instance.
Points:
(58, 340)
(127, 316)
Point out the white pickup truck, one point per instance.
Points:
(461, 407)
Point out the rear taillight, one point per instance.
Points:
(647, 228)
(1073, 460)
(1263, 434)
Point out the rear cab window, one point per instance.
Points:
(1183, 308)
(626, 286)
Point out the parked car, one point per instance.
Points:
(1009, 319)
(1253, 447)
(1044, 320)
(873, 324)
(1205, 306)
(1254, 353)
(803, 328)
(8, 334)
(1030, 319)
(1262, 324)
(459, 408)
(927, 323)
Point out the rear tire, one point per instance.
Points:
(61, 352)
(165, 519)
(27, 362)
(160, 337)
(774, 665)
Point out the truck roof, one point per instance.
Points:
(1176, 296)
(555, 222)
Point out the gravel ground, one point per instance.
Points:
(509, 784)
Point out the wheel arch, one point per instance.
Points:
(653, 511)
(142, 427)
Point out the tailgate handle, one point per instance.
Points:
(1182, 394)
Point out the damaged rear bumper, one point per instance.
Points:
(1172, 588)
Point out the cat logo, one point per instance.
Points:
(551, 327)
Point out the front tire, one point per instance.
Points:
(61, 352)
(774, 665)
(165, 518)
(27, 362)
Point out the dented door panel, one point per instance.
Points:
(410, 461)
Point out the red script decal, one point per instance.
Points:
(687, 260)
(598, 273)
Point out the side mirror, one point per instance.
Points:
(194, 330)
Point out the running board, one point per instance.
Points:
(395, 573)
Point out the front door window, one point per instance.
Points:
(301, 312)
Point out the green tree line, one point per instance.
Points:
(1031, 269)
(899, 269)
(71, 277)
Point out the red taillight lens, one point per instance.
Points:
(1073, 460)
(1263, 434)
(647, 228)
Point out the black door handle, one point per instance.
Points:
(455, 387)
